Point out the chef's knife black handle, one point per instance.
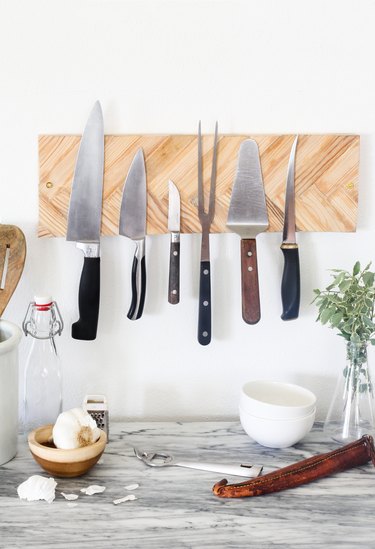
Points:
(249, 281)
(290, 285)
(174, 273)
(138, 282)
(88, 300)
(204, 320)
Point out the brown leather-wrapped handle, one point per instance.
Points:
(352, 455)
(249, 280)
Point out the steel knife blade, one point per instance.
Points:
(290, 284)
(84, 221)
(174, 255)
(247, 216)
(133, 225)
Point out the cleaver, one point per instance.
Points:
(247, 216)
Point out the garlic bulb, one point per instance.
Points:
(74, 429)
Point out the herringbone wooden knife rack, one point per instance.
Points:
(327, 172)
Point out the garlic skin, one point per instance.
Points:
(74, 429)
(37, 487)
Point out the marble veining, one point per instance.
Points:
(176, 508)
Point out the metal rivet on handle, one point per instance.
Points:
(49, 184)
(205, 303)
(205, 334)
(206, 271)
(174, 292)
(175, 253)
(249, 268)
(249, 254)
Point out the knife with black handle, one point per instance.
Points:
(88, 300)
(290, 283)
(132, 224)
(84, 221)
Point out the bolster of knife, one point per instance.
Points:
(308, 470)
(88, 300)
(174, 271)
(290, 284)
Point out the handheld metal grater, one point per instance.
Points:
(96, 406)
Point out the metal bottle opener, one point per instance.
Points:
(162, 459)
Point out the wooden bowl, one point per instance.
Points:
(64, 463)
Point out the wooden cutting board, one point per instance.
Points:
(327, 170)
(12, 261)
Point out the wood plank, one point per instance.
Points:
(327, 171)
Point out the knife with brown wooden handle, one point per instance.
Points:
(174, 255)
(247, 216)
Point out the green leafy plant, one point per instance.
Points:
(347, 304)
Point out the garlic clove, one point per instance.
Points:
(73, 429)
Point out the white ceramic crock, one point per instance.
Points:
(10, 336)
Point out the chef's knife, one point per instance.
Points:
(247, 216)
(290, 285)
(174, 256)
(133, 225)
(84, 220)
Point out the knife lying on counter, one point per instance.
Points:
(290, 284)
(84, 220)
(174, 255)
(247, 216)
(133, 225)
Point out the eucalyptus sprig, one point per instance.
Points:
(347, 304)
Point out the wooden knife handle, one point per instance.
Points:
(204, 320)
(174, 274)
(352, 455)
(249, 280)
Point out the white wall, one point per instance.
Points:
(157, 67)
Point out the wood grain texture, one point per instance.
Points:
(12, 239)
(327, 168)
(249, 281)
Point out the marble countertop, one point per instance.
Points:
(176, 507)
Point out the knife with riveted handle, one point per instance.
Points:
(133, 225)
(247, 216)
(290, 284)
(174, 255)
(84, 220)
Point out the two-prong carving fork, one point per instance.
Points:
(205, 218)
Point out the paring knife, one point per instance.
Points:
(247, 216)
(290, 284)
(84, 220)
(174, 256)
(133, 225)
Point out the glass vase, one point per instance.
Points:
(352, 410)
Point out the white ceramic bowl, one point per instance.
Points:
(273, 399)
(276, 433)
